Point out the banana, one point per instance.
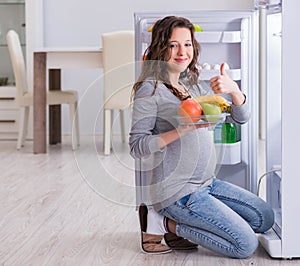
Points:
(214, 99)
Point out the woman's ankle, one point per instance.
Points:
(170, 225)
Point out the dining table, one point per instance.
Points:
(48, 63)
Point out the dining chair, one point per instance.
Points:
(118, 79)
(24, 96)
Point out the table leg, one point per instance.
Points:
(54, 110)
(39, 103)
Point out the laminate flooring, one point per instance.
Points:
(77, 208)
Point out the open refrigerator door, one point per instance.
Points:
(281, 241)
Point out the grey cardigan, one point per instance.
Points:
(184, 165)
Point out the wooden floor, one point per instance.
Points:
(77, 208)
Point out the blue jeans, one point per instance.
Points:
(222, 217)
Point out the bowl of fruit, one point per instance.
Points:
(208, 109)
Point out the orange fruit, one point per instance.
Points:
(189, 111)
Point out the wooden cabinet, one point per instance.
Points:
(9, 112)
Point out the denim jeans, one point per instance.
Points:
(222, 217)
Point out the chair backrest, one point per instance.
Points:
(118, 68)
(18, 62)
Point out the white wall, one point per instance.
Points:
(81, 23)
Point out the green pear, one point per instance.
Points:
(211, 109)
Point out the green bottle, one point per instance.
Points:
(229, 133)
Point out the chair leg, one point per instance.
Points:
(107, 131)
(122, 123)
(112, 118)
(77, 124)
(23, 126)
(74, 125)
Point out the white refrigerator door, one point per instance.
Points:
(271, 241)
(282, 133)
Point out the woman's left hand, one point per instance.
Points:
(223, 84)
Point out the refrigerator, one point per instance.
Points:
(227, 36)
(261, 47)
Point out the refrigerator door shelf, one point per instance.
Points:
(228, 153)
(207, 37)
(205, 74)
(275, 198)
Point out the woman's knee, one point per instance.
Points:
(267, 219)
(246, 247)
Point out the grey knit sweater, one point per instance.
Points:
(184, 165)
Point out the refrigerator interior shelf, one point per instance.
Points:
(206, 74)
(228, 153)
(207, 37)
(218, 36)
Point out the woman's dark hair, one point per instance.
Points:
(156, 55)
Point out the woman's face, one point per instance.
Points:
(181, 50)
